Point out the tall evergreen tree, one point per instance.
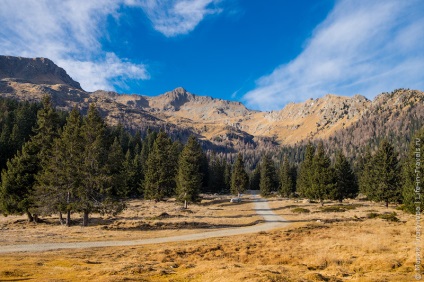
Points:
(413, 173)
(115, 171)
(189, 177)
(93, 190)
(287, 181)
(18, 180)
(132, 167)
(239, 177)
(345, 181)
(387, 181)
(366, 177)
(227, 177)
(161, 168)
(147, 147)
(216, 174)
(322, 176)
(60, 176)
(304, 179)
(255, 178)
(267, 182)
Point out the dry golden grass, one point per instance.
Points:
(141, 220)
(343, 246)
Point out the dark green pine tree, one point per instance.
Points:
(227, 177)
(204, 168)
(60, 176)
(255, 178)
(115, 171)
(18, 180)
(93, 190)
(322, 176)
(412, 192)
(239, 177)
(133, 173)
(287, 181)
(268, 180)
(189, 177)
(147, 147)
(46, 129)
(216, 174)
(345, 180)
(161, 168)
(304, 178)
(366, 176)
(387, 173)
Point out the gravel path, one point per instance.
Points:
(261, 206)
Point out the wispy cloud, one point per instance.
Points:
(68, 32)
(365, 47)
(176, 17)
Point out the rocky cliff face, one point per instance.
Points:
(179, 111)
(36, 71)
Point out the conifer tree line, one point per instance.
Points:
(85, 166)
(68, 163)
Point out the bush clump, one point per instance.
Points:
(300, 210)
(386, 216)
(339, 208)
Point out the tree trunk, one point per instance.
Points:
(85, 219)
(68, 218)
(30, 217)
(60, 218)
(321, 201)
(340, 201)
(387, 204)
(35, 218)
(185, 204)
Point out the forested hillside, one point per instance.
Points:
(66, 163)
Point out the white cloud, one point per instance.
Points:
(176, 17)
(69, 33)
(365, 47)
(107, 73)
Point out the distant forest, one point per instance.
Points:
(62, 162)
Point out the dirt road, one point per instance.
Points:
(261, 206)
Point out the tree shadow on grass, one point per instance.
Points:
(144, 226)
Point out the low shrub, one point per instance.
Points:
(300, 210)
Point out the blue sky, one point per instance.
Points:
(262, 53)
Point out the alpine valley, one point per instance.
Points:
(225, 125)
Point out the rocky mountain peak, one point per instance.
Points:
(34, 70)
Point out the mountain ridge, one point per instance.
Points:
(222, 122)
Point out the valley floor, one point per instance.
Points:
(356, 241)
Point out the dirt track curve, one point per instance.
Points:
(261, 206)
